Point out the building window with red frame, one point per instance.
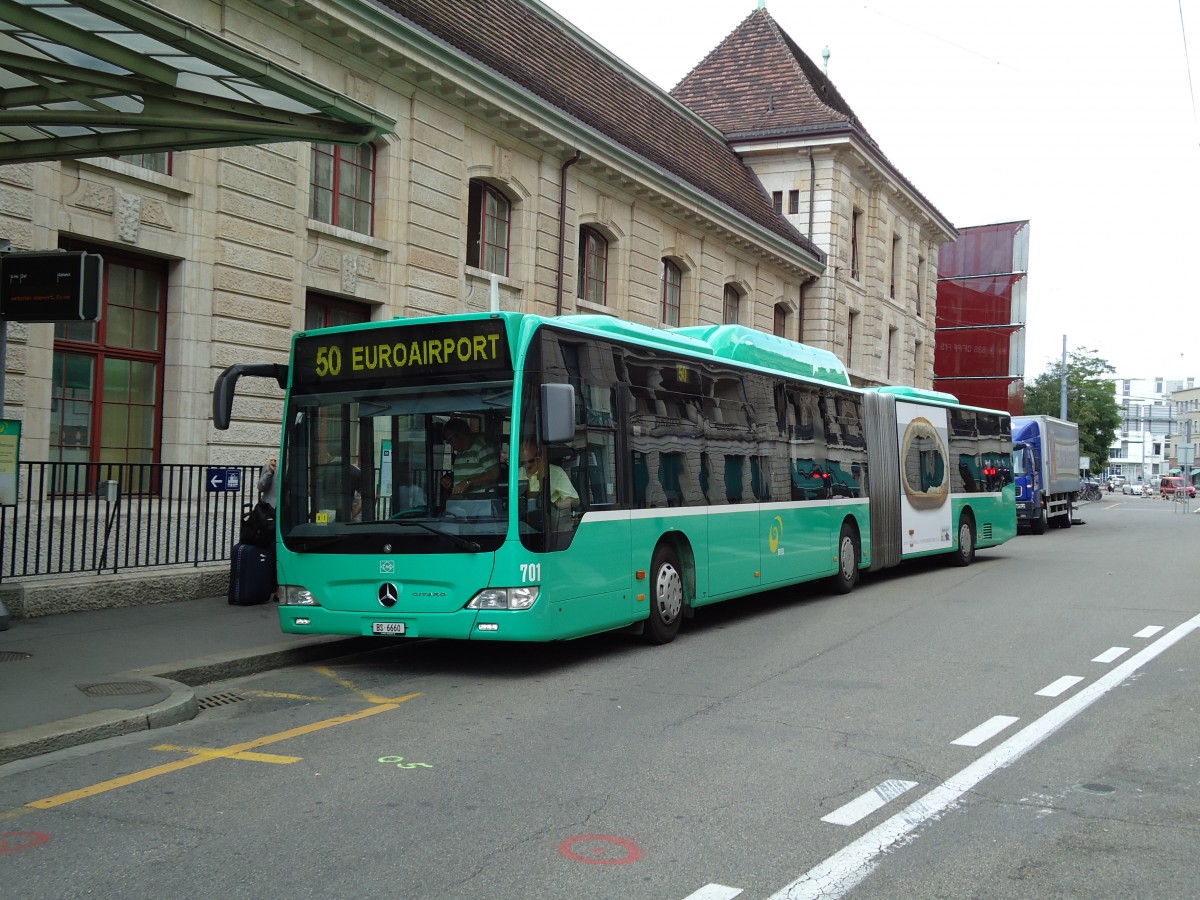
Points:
(107, 384)
(343, 186)
(672, 293)
(325, 312)
(489, 220)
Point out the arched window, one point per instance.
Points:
(489, 216)
(780, 327)
(672, 293)
(593, 265)
(732, 301)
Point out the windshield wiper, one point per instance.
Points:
(314, 544)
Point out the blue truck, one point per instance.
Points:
(1046, 471)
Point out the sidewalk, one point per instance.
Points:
(84, 676)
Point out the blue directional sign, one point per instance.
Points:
(223, 478)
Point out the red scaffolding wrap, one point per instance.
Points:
(980, 344)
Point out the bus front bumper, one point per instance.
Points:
(466, 624)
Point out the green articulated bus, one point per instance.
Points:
(674, 468)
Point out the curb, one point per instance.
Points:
(181, 704)
(35, 740)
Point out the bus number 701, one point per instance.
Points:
(531, 572)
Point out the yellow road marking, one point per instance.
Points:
(228, 754)
(280, 695)
(351, 686)
(168, 768)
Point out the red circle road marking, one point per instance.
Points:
(16, 841)
(600, 852)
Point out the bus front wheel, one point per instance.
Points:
(847, 574)
(666, 596)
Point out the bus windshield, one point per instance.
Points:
(398, 470)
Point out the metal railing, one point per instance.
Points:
(70, 518)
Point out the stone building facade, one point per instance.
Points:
(505, 114)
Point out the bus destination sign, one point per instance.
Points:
(52, 286)
(438, 350)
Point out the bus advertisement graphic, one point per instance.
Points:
(925, 510)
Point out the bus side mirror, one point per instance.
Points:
(226, 384)
(558, 413)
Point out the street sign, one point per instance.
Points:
(10, 460)
(223, 478)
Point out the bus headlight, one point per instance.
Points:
(504, 598)
(296, 595)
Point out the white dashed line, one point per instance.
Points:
(1149, 631)
(714, 892)
(984, 732)
(863, 806)
(1110, 654)
(837, 875)
(1054, 688)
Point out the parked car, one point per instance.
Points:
(1135, 489)
(1172, 483)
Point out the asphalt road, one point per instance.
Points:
(1022, 728)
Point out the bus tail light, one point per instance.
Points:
(504, 598)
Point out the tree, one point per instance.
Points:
(1091, 402)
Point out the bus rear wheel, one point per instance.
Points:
(965, 553)
(847, 574)
(666, 596)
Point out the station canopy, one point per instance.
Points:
(83, 78)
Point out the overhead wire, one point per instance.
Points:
(1187, 60)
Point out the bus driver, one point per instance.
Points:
(476, 462)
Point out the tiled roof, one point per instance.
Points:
(520, 42)
(759, 80)
(759, 83)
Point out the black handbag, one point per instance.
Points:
(258, 525)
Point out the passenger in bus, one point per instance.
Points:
(543, 476)
(476, 462)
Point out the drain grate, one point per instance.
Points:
(216, 700)
(13, 655)
(117, 688)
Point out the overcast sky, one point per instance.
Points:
(1078, 115)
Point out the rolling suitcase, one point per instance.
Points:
(251, 575)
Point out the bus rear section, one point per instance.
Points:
(948, 487)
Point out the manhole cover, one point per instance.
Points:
(216, 700)
(13, 655)
(117, 688)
